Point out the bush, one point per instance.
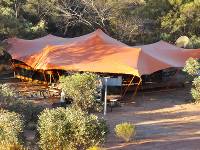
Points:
(82, 89)
(69, 129)
(195, 91)
(8, 146)
(26, 109)
(125, 131)
(95, 148)
(6, 90)
(11, 127)
(192, 66)
(194, 42)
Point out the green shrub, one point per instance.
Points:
(192, 66)
(69, 129)
(125, 131)
(95, 148)
(9, 146)
(194, 42)
(195, 91)
(11, 126)
(82, 88)
(25, 108)
(6, 91)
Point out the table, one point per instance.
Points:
(113, 103)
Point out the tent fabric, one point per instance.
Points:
(21, 48)
(97, 52)
(162, 55)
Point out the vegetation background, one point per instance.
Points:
(130, 21)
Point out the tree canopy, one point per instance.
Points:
(130, 21)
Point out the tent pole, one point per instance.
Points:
(58, 75)
(53, 76)
(13, 66)
(44, 76)
(142, 87)
(128, 87)
(50, 79)
(32, 74)
(105, 97)
(138, 86)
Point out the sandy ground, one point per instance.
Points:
(164, 120)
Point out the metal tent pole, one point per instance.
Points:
(105, 96)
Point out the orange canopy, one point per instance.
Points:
(162, 55)
(97, 52)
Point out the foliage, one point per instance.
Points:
(125, 131)
(69, 129)
(82, 88)
(14, 21)
(192, 66)
(182, 18)
(6, 91)
(27, 109)
(95, 148)
(5, 57)
(195, 91)
(11, 146)
(11, 126)
(194, 42)
(131, 21)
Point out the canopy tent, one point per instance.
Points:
(162, 55)
(21, 48)
(97, 52)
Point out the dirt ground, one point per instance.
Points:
(164, 120)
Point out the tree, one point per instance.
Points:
(77, 17)
(130, 21)
(13, 21)
(182, 19)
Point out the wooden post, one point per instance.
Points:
(128, 87)
(137, 86)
